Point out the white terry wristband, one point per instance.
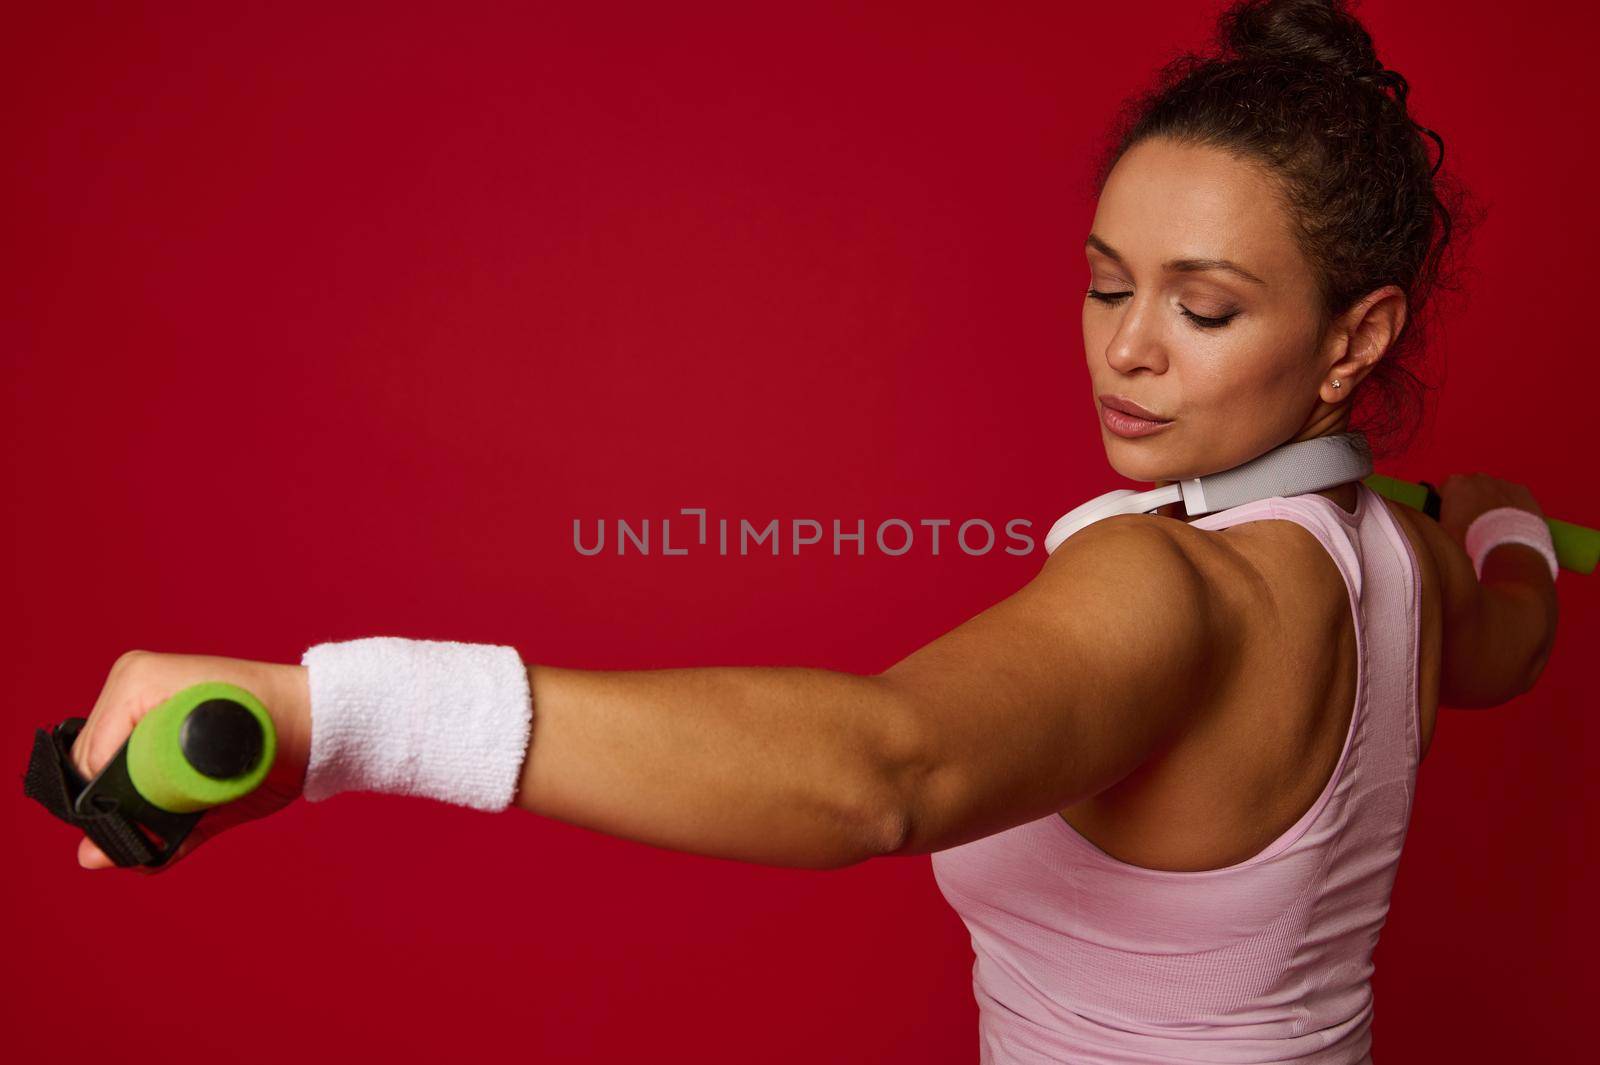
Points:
(434, 718)
(1509, 525)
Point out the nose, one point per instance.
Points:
(1136, 342)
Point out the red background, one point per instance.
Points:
(324, 321)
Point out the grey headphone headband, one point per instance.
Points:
(1287, 470)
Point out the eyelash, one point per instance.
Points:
(1113, 298)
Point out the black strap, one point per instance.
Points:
(1431, 502)
(54, 781)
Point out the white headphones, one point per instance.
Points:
(1286, 470)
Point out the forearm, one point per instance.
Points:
(1522, 577)
(774, 765)
(1519, 614)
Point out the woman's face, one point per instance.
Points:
(1232, 357)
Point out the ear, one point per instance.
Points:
(1360, 337)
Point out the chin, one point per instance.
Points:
(1137, 459)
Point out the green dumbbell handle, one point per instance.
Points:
(1577, 546)
(209, 744)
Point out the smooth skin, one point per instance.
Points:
(1179, 696)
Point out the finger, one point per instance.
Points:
(91, 856)
(116, 710)
(80, 750)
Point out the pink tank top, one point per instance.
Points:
(1082, 958)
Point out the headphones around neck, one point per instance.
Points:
(1286, 470)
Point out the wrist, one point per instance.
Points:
(438, 719)
(288, 702)
(1514, 561)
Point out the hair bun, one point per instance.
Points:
(1300, 32)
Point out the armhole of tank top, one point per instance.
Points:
(1262, 510)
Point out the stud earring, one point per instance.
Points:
(1337, 383)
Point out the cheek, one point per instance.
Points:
(1234, 382)
(1097, 333)
(1253, 362)
(1222, 388)
(1210, 383)
(1275, 368)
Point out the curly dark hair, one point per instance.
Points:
(1297, 85)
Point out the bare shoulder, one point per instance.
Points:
(1143, 552)
(1175, 584)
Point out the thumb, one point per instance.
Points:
(92, 857)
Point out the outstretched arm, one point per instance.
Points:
(1040, 701)
(776, 765)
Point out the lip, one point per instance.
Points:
(1128, 406)
(1127, 425)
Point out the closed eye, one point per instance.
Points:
(1200, 320)
(1108, 297)
(1208, 323)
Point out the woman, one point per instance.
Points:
(1165, 784)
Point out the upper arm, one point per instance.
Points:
(1487, 645)
(1059, 691)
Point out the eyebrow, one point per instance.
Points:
(1182, 265)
